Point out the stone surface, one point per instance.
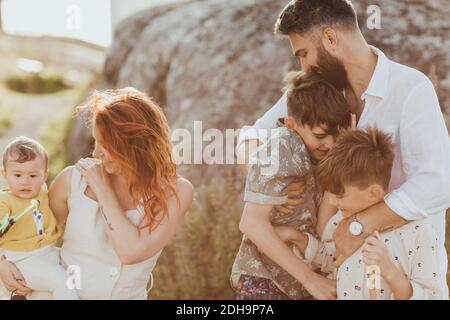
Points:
(218, 61)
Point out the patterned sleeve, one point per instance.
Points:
(318, 254)
(425, 278)
(277, 163)
(423, 256)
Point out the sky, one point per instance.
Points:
(88, 20)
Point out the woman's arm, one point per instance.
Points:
(59, 194)
(132, 244)
(255, 224)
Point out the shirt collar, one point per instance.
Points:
(379, 82)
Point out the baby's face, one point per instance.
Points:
(25, 179)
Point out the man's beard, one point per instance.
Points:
(331, 68)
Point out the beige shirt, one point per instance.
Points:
(413, 248)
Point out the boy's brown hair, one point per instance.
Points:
(312, 101)
(23, 149)
(358, 158)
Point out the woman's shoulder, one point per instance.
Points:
(185, 191)
(63, 180)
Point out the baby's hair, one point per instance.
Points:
(358, 158)
(23, 149)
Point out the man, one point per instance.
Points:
(324, 35)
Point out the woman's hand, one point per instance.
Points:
(96, 176)
(295, 192)
(12, 279)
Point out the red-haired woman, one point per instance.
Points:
(121, 207)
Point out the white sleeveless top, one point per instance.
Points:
(87, 246)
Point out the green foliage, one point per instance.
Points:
(37, 83)
(197, 263)
(54, 140)
(6, 118)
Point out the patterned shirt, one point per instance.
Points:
(278, 162)
(413, 248)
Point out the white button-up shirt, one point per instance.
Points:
(403, 102)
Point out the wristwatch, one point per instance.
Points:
(357, 229)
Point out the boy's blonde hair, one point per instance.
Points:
(359, 159)
(23, 149)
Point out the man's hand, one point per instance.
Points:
(295, 192)
(346, 243)
(321, 288)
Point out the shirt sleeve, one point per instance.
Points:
(425, 277)
(4, 209)
(318, 254)
(425, 153)
(277, 163)
(260, 130)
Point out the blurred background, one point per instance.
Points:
(215, 61)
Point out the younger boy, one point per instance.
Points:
(396, 264)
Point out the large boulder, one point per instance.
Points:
(217, 61)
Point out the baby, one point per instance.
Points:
(28, 230)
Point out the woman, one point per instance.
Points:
(121, 207)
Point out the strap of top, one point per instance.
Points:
(78, 184)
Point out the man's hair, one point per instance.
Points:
(312, 101)
(23, 149)
(359, 159)
(301, 16)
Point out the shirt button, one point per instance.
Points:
(113, 272)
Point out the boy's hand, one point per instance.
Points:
(376, 253)
(286, 234)
(321, 288)
(295, 192)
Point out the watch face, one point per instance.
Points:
(355, 228)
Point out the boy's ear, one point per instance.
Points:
(46, 175)
(289, 122)
(3, 172)
(376, 192)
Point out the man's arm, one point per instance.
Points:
(255, 224)
(425, 153)
(250, 137)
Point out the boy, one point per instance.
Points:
(316, 114)
(396, 264)
(30, 241)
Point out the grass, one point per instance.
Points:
(197, 263)
(36, 83)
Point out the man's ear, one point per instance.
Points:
(376, 193)
(289, 122)
(329, 39)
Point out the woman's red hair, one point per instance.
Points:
(135, 132)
